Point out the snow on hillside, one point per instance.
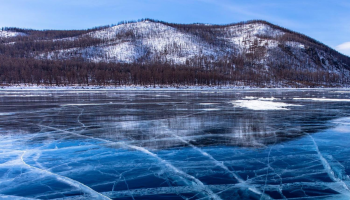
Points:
(6, 34)
(154, 41)
(157, 37)
(149, 38)
(250, 32)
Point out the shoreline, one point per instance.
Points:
(156, 88)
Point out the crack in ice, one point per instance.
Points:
(328, 168)
(167, 164)
(69, 181)
(220, 164)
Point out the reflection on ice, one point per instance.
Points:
(7, 113)
(342, 125)
(188, 145)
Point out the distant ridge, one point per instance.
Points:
(254, 52)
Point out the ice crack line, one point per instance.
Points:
(267, 172)
(328, 168)
(221, 165)
(69, 181)
(210, 193)
(78, 118)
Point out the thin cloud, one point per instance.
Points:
(249, 12)
(344, 46)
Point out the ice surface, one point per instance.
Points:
(100, 144)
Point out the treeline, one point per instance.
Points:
(72, 72)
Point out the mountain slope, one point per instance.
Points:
(162, 42)
(256, 47)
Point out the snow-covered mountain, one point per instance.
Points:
(258, 45)
(260, 42)
(132, 41)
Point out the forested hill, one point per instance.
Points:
(149, 52)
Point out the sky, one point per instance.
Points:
(327, 21)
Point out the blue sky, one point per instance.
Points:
(325, 20)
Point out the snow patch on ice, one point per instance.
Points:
(207, 104)
(162, 95)
(249, 97)
(262, 105)
(323, 99)
(211, 109)
(268, 99)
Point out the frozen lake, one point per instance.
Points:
(241, 144)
